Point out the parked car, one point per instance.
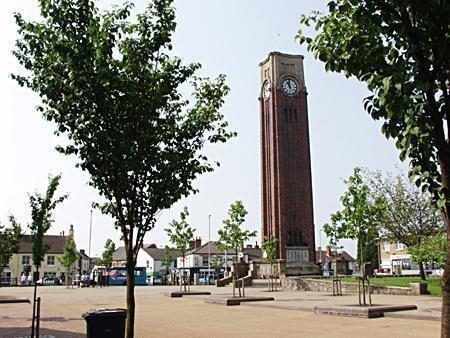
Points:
(49, 281)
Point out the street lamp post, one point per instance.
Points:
(320, 249)
(90, 235)
(209, 248)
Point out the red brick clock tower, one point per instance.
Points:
(287, 203)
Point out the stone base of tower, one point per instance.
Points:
(298, 262)
(301, 269)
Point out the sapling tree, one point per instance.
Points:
(270, 247)
(111, 86)
(9, 241)
(231, 236)
(181, 235)
(166, 262)
(360, 218)
(42, 207)
(69, 257)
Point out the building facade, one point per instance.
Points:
(286, 196)
(51, 265)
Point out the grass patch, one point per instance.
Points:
(434, 283)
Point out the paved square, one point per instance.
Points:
(290, 315)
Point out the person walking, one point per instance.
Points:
(23, 279)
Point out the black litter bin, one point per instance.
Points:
(105, 323)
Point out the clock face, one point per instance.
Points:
(266, 90)
(289, 87)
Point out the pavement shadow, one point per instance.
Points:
(24, 332)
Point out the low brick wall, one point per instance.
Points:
(320, 285)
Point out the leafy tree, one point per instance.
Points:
(410, 214)
(270, 247)
(216, 265)
(180, 235)
(360, 218)
(69, 257)
(166, 262)
(400, 50)
(431, 250)
(112, 87)
(231, 236)
(9, 241)
(42, 207)
(107, 255)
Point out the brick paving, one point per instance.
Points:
(160, 316)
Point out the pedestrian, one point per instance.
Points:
(23, 279)
(77, 279)
(30, 279)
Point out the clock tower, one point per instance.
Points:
(286, 196)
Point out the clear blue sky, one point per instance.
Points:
(229, 37)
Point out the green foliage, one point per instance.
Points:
(167, 260)
(112, 88)
(360, 218)
(270, 247)
(216, 264)
(181, 233)
(410, 215)
(231, 236)
(400, 50)
(432, 249)
(9, 241)
(42, 207)
(107, 255)
(70, 255)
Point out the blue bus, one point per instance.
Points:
(118, 276)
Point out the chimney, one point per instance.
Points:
(82, 251)
(249, 246)
(256, 245)
(329, 253)
(71, 230)
(198, 242)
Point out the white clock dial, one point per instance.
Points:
(266, 90)
(289, 87)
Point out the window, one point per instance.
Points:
(386, 246)
(148, 264)
(25, 260)
(399, 245)
(50, 260)
(205, 260)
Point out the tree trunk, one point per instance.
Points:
(445, 282)
(422, 271)
(131, 306)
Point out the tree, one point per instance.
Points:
(360, 218)
(270, 247)
(42, 207)
(431, 250)
(410, 214)
(166, 262)
(69, 257)
(231, 236)
(9, 241)
(400, 50)
(113, 88)
(107, 255)
(216, 265)
(180, 235)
